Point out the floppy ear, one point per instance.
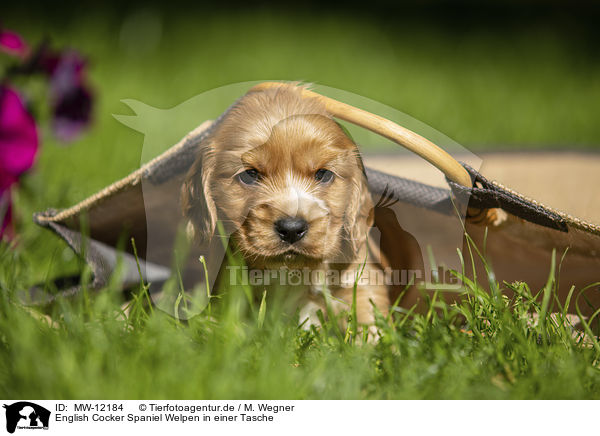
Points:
(196, 200)
(359, 214)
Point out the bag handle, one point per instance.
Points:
(416, 143)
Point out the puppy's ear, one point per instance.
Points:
(196, 200)
(359, 214)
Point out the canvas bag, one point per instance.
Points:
(519, 234)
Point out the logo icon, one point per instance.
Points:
(26, 415)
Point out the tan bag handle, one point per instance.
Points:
(390, 130)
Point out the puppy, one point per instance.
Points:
(289, 186)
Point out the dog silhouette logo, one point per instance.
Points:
(26, 415)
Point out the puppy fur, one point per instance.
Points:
(287, 142)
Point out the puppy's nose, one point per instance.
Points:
(291, 229)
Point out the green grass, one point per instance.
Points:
(487, 347)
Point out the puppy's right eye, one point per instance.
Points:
(249, 177)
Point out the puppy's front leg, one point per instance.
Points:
(308, 315)
(366, 297)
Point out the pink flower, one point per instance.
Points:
(12, 43)
(70, 101)
(18, 147)
(71, 98)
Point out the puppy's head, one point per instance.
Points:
(284, 179)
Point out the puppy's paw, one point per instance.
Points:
(373, 335)
(308, 315)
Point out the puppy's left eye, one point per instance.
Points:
(324, 176)
(249, 177)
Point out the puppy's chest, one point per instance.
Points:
(298, 283)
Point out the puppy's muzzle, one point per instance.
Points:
(291, 230)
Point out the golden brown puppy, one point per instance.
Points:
(289, 185)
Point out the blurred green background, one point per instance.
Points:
(498, 75)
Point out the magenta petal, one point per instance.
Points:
(6, 181)
(67, 130)
(12, 43)
(72, 113)
(67, 71)
(18, 135)
(71, 99)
